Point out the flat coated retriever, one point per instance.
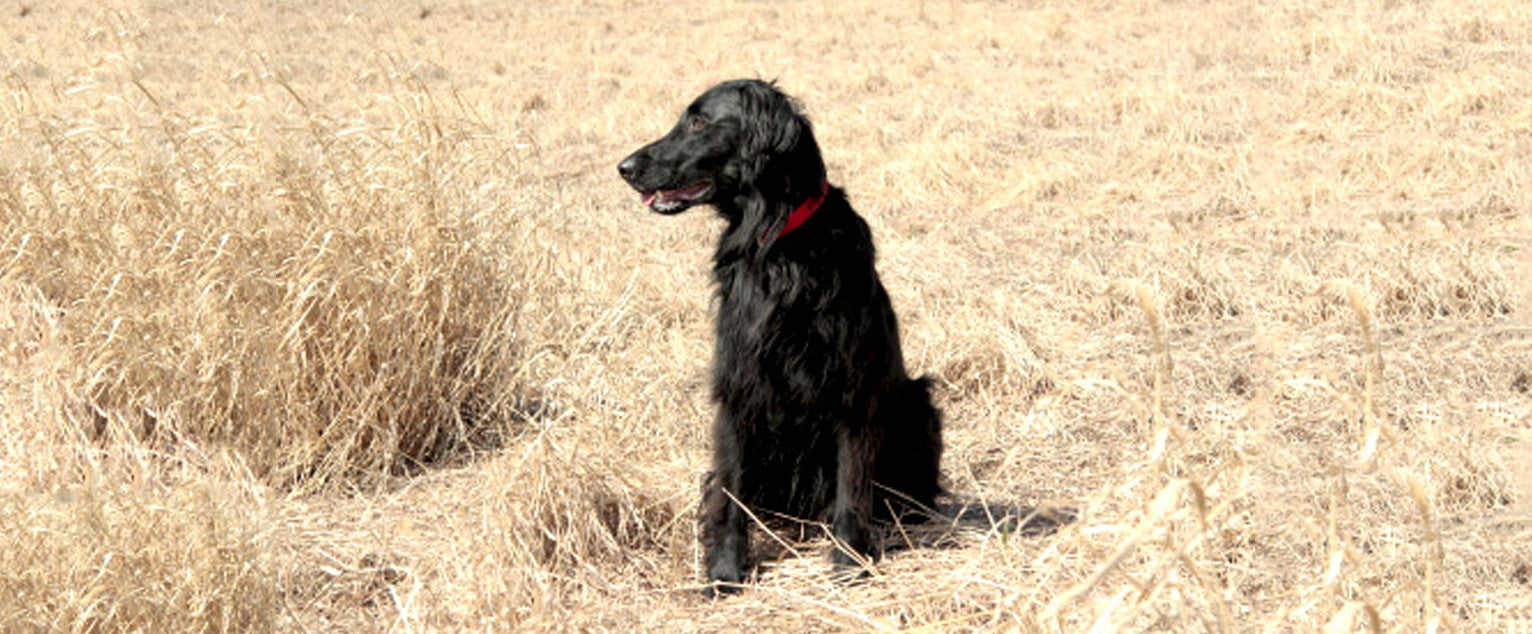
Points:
(816, 415)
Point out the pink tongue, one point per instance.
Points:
(648, 198)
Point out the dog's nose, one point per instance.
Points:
(627, 167)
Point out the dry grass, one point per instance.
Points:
(335, 316)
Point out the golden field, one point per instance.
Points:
(321, 316)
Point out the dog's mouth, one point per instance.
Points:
(673, 200)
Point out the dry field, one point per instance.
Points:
(322, 316)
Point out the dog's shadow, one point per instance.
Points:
(952, 524)
(947, 525)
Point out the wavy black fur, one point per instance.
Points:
(817, 417)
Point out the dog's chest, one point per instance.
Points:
(749, 302)
(770, 327)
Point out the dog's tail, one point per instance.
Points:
(928, 421)
(910, 463)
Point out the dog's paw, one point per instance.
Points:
(720, 589)
(850, 575)
(724, 578)
(849, 569)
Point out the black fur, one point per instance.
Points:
(816, 415)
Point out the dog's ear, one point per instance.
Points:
(777, 133)
(775, 124)
(787, 126)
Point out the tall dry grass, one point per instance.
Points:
(331, 317)
(332, 310)
(191, 301)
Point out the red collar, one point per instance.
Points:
(802, 213)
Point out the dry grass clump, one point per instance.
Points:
(331, 307)
(123, 557)
(535, 536)
(189, 301)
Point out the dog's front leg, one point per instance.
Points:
(853, 497)
(724, 533)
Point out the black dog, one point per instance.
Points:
(816, 415)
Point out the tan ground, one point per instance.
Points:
(324, 316)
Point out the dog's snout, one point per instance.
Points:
(628, 167)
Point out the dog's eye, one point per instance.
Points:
(695, 123)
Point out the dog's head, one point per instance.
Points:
(739, 137)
